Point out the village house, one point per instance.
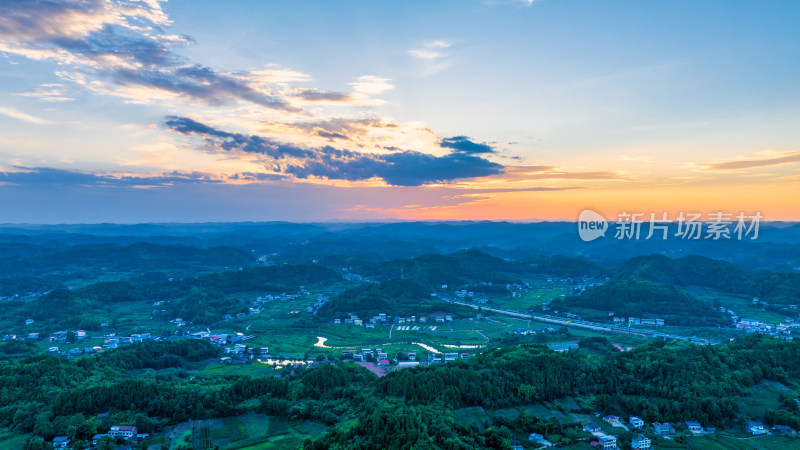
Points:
(535, 437)
(123, 431)
(96, 438)
(663, 429)
(607, 441)
(592, 428)
(748, 323)
(636, 422)
(694, 427)
(641, 443)
(613, 420)
(60, 441)
(756, 428)
(783, 429)
(563, 347)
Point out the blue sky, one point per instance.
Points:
(254, 110)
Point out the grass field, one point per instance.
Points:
(12, 442)
(258, 431)
(763, 397)
(742, 305)
(472, 415)
(754, 443)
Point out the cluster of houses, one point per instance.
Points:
(604, 441)
(377, 354)
(530, 331)
(257, 304)
(383, 319)
(782, 330)
(242, 354)
(578, 285)
(563, 347)
(220, 338)
(638, 321)
(111, 342)
(518, 289)
(440, 358)
(58, 336)
(410, 360)
(127, 433)
(667, 429)
(352, 277)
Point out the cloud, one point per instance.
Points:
(48, 176)
(432, 55)
(52, 92)
(401, 168)
(314, 95)
(48, 20)
(122, 45)
(524, 173)
(523, 189)
(199, 83)
(464, 145)
(13, 113)
(371, 85)
(335, 127)
(329, 134)
(430, 50)
(753, 161)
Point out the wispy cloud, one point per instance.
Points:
(433, 55)
(761, 159)
(13, 113)
(431, 50)
(523, 173)
(48, 176)
(52, 92)
(369, 84)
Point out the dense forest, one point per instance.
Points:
(631, 297)
(782, 288)
(147, 385)
(204, 299)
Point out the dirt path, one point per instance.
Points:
(374, 368)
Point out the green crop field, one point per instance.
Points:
(754, 443)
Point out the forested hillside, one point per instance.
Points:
(145, 384)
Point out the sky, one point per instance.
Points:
(135, 111)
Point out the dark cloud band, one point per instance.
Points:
(402, 168)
